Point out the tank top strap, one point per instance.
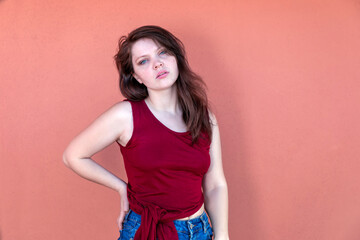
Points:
(136, 112)
(142, 117)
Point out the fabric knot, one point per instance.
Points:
(154, 225)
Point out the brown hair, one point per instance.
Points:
(191, 89)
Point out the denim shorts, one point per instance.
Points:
(195, 229)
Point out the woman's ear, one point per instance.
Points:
(137, 78)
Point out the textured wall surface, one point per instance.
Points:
(283, 79)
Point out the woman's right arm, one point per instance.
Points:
(115, 123)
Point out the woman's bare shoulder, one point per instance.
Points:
(212, 117)
(122, 109)
(123, 112)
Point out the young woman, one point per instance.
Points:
(169, 140)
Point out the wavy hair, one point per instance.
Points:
(191, 89)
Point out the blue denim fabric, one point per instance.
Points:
(195, 229)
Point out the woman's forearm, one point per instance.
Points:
(89, 169)
(216, 204)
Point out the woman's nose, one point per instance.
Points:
(158, 64)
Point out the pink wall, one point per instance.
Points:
(283, 77)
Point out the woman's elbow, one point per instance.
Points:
(66, 160)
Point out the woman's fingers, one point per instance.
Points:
(121, 219)
(124, 208)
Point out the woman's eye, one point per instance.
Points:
(142, 62)
(163, 52)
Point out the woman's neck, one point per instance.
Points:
(164, 101)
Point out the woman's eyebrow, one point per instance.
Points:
(141, 57)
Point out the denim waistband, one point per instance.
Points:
(200, 219)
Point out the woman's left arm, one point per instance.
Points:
(215, 187)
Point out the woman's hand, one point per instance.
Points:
(124, 207)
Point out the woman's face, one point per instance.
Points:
(153, 65)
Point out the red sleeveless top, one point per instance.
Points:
(164, 173)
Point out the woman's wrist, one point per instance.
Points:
(122, 189)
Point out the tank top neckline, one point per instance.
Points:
(160, 123)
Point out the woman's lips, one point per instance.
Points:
(162, 74)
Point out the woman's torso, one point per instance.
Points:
(176, 125)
